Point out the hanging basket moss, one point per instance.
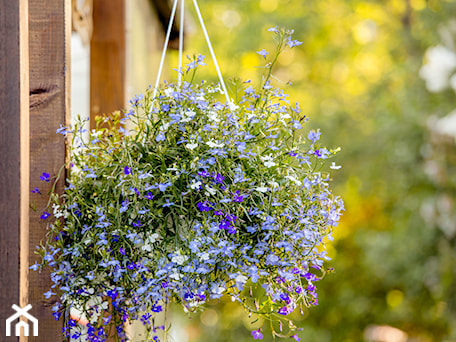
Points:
(199, 200)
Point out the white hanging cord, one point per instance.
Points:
(181, 44)
(165, 47)
(181, 34)
(219, 73)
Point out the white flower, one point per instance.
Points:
(192, 146)
(441, 64)
(179, 259)
(195, 184)
(268, 161)
(213, 116)
(57, 212)
(218, 289)
(169, 91)
(212, 144)
(334, 166)
(204, 256)
(445, 125)
(164, 127)
(294, 180)
(175, 276)
(261, 188)
(210, 191)
(273, 184)
(250, 116)
(241, 279)
(188, 115)
(149, 241)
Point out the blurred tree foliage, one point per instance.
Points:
(356, 77)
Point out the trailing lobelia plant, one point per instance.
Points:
(199, 200)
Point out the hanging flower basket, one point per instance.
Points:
(202, 198)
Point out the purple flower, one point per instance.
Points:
(202, 206)
(156, 308)
(149, 196)
(45, 177)
(263, 53)
(127, 170)
(285, 297)
(121, 250)
(257, 335)
(137, 223)
(283, 311)
(45, 215)
(296, 337)
(238, 198)
(36, 191)
(273, 29)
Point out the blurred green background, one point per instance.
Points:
(356, 76)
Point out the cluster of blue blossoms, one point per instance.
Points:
(197, 200)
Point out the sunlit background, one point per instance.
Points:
(357, 77)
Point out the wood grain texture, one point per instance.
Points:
(49, 41)
(14, 165)
(107, 58)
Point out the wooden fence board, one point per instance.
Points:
(14, 149)
(107, 58)
(49, 39)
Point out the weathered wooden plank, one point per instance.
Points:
(14, 154)
(49, 40)
(107, 58)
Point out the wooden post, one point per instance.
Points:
(107, 58)
(14, 155)
(49, 40)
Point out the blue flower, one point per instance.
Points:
(162, 186)
(168, 203)
(313, 136)
(49, 294)
(293, 43)
(263, 53)
(149, 196)
(45, 177)
(160, 136)
(36, 191)
(44, 215)
(127, 170)
(35, 266)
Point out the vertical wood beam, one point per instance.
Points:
(107, 58)
(49, 41)
(14, 159)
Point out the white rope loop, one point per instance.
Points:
(181, 43)
(209, 45)
(165, 48)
